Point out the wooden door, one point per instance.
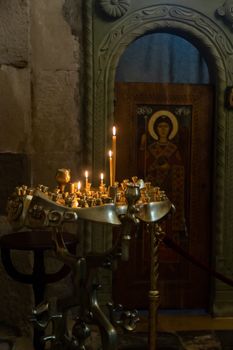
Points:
(182, 166)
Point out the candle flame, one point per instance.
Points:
(79, 185)
(86, 174)
(101, 176)
(114, 131)
(110, 154)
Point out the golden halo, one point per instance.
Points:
(158, 114)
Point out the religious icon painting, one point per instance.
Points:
(163, 150)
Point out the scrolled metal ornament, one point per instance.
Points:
(115, 8)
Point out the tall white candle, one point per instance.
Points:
(110, 168)
(86, 179)
(114, 153)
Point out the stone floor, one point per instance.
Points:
(185, 340)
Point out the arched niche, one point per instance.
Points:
(162, 58)
(101, 59)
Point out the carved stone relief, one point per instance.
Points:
(115, 8)
(226, 11)
(144, 20)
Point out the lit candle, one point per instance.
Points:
(110, 167)
(101, 179)
(114, 154)
(86, 179)
(79, 185)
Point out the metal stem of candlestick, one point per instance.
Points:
(156, 235)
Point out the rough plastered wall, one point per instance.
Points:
(55, 96)
(39, 113)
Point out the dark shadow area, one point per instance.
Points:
(14, 171)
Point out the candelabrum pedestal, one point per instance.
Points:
(37, 210)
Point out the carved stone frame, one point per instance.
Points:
(101, 63)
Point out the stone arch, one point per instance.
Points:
(196, 28)
(101, 59)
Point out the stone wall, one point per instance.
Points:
(39, 80)
(40, 111)
(55, 119)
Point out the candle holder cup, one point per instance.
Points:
(112, 192)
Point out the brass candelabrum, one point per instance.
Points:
(124, 204)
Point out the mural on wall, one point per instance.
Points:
(163, 140)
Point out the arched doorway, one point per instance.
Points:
(102, 53)
(172, 161)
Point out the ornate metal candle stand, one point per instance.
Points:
(124, 205)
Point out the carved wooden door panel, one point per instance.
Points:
(165, 136)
